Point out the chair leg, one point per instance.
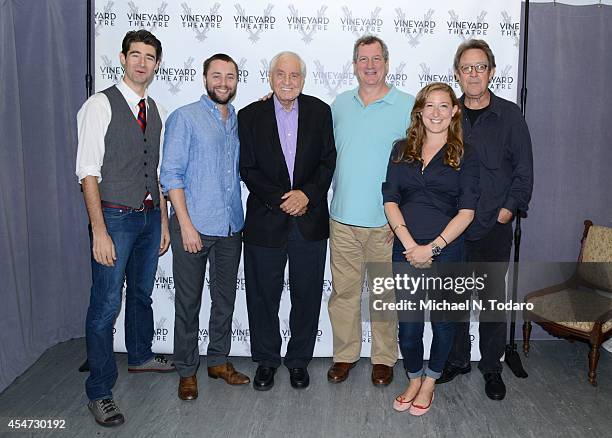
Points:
(526, 336)
(593, 360)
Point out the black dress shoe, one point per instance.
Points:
(494, 386)
(452, 371)
(264, 378)
(299, 378)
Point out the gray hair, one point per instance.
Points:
(278, 56)
(367, 40)
(474, 44)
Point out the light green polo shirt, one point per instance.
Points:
(364, 138)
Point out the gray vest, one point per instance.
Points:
(129, 169)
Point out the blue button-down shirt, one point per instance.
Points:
(200, 155)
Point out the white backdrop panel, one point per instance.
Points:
(422, 39)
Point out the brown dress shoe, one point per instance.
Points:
(228, 373)
(382, 374)
(188, 388)
(339, 371)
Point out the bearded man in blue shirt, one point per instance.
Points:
(200, 174)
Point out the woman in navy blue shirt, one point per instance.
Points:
(430, 195)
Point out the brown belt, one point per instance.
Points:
(147, 204)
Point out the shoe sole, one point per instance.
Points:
(117, 422)
(496, 397)
(263, 388)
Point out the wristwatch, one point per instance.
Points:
(435, 249)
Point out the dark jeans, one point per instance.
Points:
(495, 247)
(264, 270)
(136, 236)
(411, 333)
(189, 271)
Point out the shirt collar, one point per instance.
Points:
(212, 106)
(388, 98)
(278, 107)
(493, 103)
(130, 95)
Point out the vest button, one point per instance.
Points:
(145, 151)
(145, 140)
(145, 163)
(146, 175)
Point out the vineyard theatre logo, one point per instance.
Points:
(366, 332)
(359, 26)
(333, 80)
(502, 80)
(202, 340)
(201, 24)
(426, 76)
(242, 336)
(240, 333)
(106, 18)
(327, 290)
(243, 73)
(285, 331)
(307, 26)
(398, 78)
(509, 28)
(319, 333)
(175, 76)
(110, 71)
(160, 334)
(163, 281)
(467, 29)
(264, 74)
(148, 20)
(414, 29)
(254, 25)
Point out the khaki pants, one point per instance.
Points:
(351, 247)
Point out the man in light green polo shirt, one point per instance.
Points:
(367, 121)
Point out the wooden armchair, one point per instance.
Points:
(584, 301)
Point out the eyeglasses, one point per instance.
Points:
(375, 59)
(468, 69)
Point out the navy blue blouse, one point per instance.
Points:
(429, 199)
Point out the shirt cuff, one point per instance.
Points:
(89, 171)
(170, 184)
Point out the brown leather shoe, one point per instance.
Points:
(188, 388)
(382, 374)
(339, 371)
(228, 373)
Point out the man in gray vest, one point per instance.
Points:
(119, 133)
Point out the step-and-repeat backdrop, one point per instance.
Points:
(422, 39)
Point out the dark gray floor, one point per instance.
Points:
(555, 401)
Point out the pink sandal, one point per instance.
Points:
(401, 405)
(417, 410)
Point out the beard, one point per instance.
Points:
(218, 99)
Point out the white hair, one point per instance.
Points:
(278, 56)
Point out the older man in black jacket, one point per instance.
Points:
(287, 160)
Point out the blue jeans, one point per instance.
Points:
(411, 333)
(136, 236)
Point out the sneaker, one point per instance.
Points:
(106, 412)
(157, 364)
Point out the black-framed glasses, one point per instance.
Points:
(468, 69)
